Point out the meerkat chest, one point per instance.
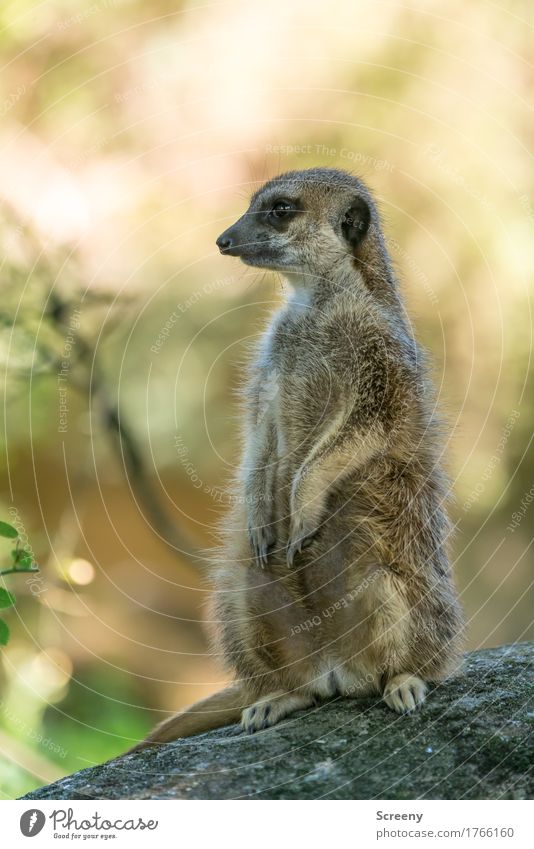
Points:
(299, 352)
(297, 383)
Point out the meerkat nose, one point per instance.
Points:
(224, 242)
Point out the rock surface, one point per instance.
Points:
(471, 740)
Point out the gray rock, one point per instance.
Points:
(471, 740)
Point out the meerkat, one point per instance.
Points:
(333, 577)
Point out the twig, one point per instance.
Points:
(169, 532)
(123, 441)
(15, 569)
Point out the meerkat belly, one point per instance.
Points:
(300, 422)
(311, 627)
(336, 588)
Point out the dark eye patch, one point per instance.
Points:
(281, 211)
(281, 208)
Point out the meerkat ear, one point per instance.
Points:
(355, 223)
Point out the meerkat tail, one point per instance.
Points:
(220, 709)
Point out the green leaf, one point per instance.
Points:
(22, 558)
(4, 633)
(8, 531)
(6, 599)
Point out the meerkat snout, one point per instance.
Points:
(229, 242)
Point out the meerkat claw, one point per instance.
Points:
(405, 693)
(262, 540)
(271, 709)
(297, 546)
(302, 532)
(292, 549)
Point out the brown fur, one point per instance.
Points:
(333, 576)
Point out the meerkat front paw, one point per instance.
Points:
(271, 709)
(405, 693)
(262, 539)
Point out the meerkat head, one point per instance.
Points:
(303, 222)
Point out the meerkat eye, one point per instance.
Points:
(281, 208)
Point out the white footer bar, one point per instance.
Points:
(268, 824)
